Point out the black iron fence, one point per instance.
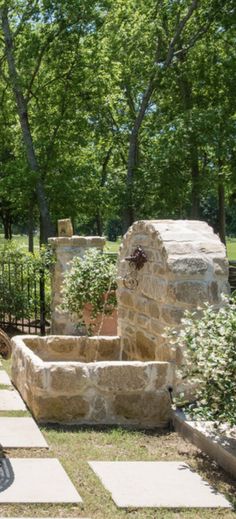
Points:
(24, 297)
(232, 275)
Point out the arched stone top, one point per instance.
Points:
(186, 266)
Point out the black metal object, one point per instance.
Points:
(22, 297)
(136, 261)
(138, 258)
(232, 275)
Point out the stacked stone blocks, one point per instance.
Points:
(81, 380)
(186, 267)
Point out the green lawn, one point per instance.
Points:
(231, 248)
(111, 246)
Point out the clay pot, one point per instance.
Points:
(109, 325)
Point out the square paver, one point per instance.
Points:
(11, 401)
(156, 484)
(34, 480)
(20, 432)
(4, 378)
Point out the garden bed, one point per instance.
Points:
(219, 444)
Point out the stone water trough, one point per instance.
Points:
(80, 380)
(124, 380)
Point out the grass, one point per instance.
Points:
(111, 246)
(21, 240)
(75, 446)
(231, 248)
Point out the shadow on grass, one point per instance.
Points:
(107, 429)
(213, 473)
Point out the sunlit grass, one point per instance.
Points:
(231, 248)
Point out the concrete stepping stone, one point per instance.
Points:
(35, 480)
(11, 401)
(4, 378)
(156, 484)
(20, 433)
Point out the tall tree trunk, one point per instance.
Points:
(195, 193)
(128, 215)
(133, 157)
(31, 226)
(7, 223)
(221, 202)
(187, 98)
(99, 225)
(46, 227)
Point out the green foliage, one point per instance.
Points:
(209, 343)
(19, 275)
(91, 281)
(84, 68)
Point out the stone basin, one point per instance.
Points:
(83, 380)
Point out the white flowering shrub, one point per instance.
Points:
(209, 343)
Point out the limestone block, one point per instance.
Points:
(143, 321)
(102, 348)
(151, 408)
(172, 314)
(221, 266)
(213, 292)
(65, 227)
(158, 268)
(126, 298)
(154, 309)
(190, 292)
(153, 288)
(67, 378)
(163, 351)
(120, 376)
(161, 374)
(141, 239)
(188, 266)
(141, 304)
(61, 409)
(145, 346)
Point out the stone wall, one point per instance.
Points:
(186, 266)
(90, 392)
(65, 249)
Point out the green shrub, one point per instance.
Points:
(209, 343)
(91, 281)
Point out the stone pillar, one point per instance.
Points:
(65, 249)
(186, 266)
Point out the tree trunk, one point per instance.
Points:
(128, 216)
(31, 227)
(7, 223)
(195, 193)
(47, 227)
(133, 157)
(221, 202)
(99, 225)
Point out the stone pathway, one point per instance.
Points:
(33, 480)
(4, 378)
(167, 484)
(11, 401)
(28, 480)
(18, 433)
(132, 484)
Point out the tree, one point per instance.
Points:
(22, 108)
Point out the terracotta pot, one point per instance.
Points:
(109, 325)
